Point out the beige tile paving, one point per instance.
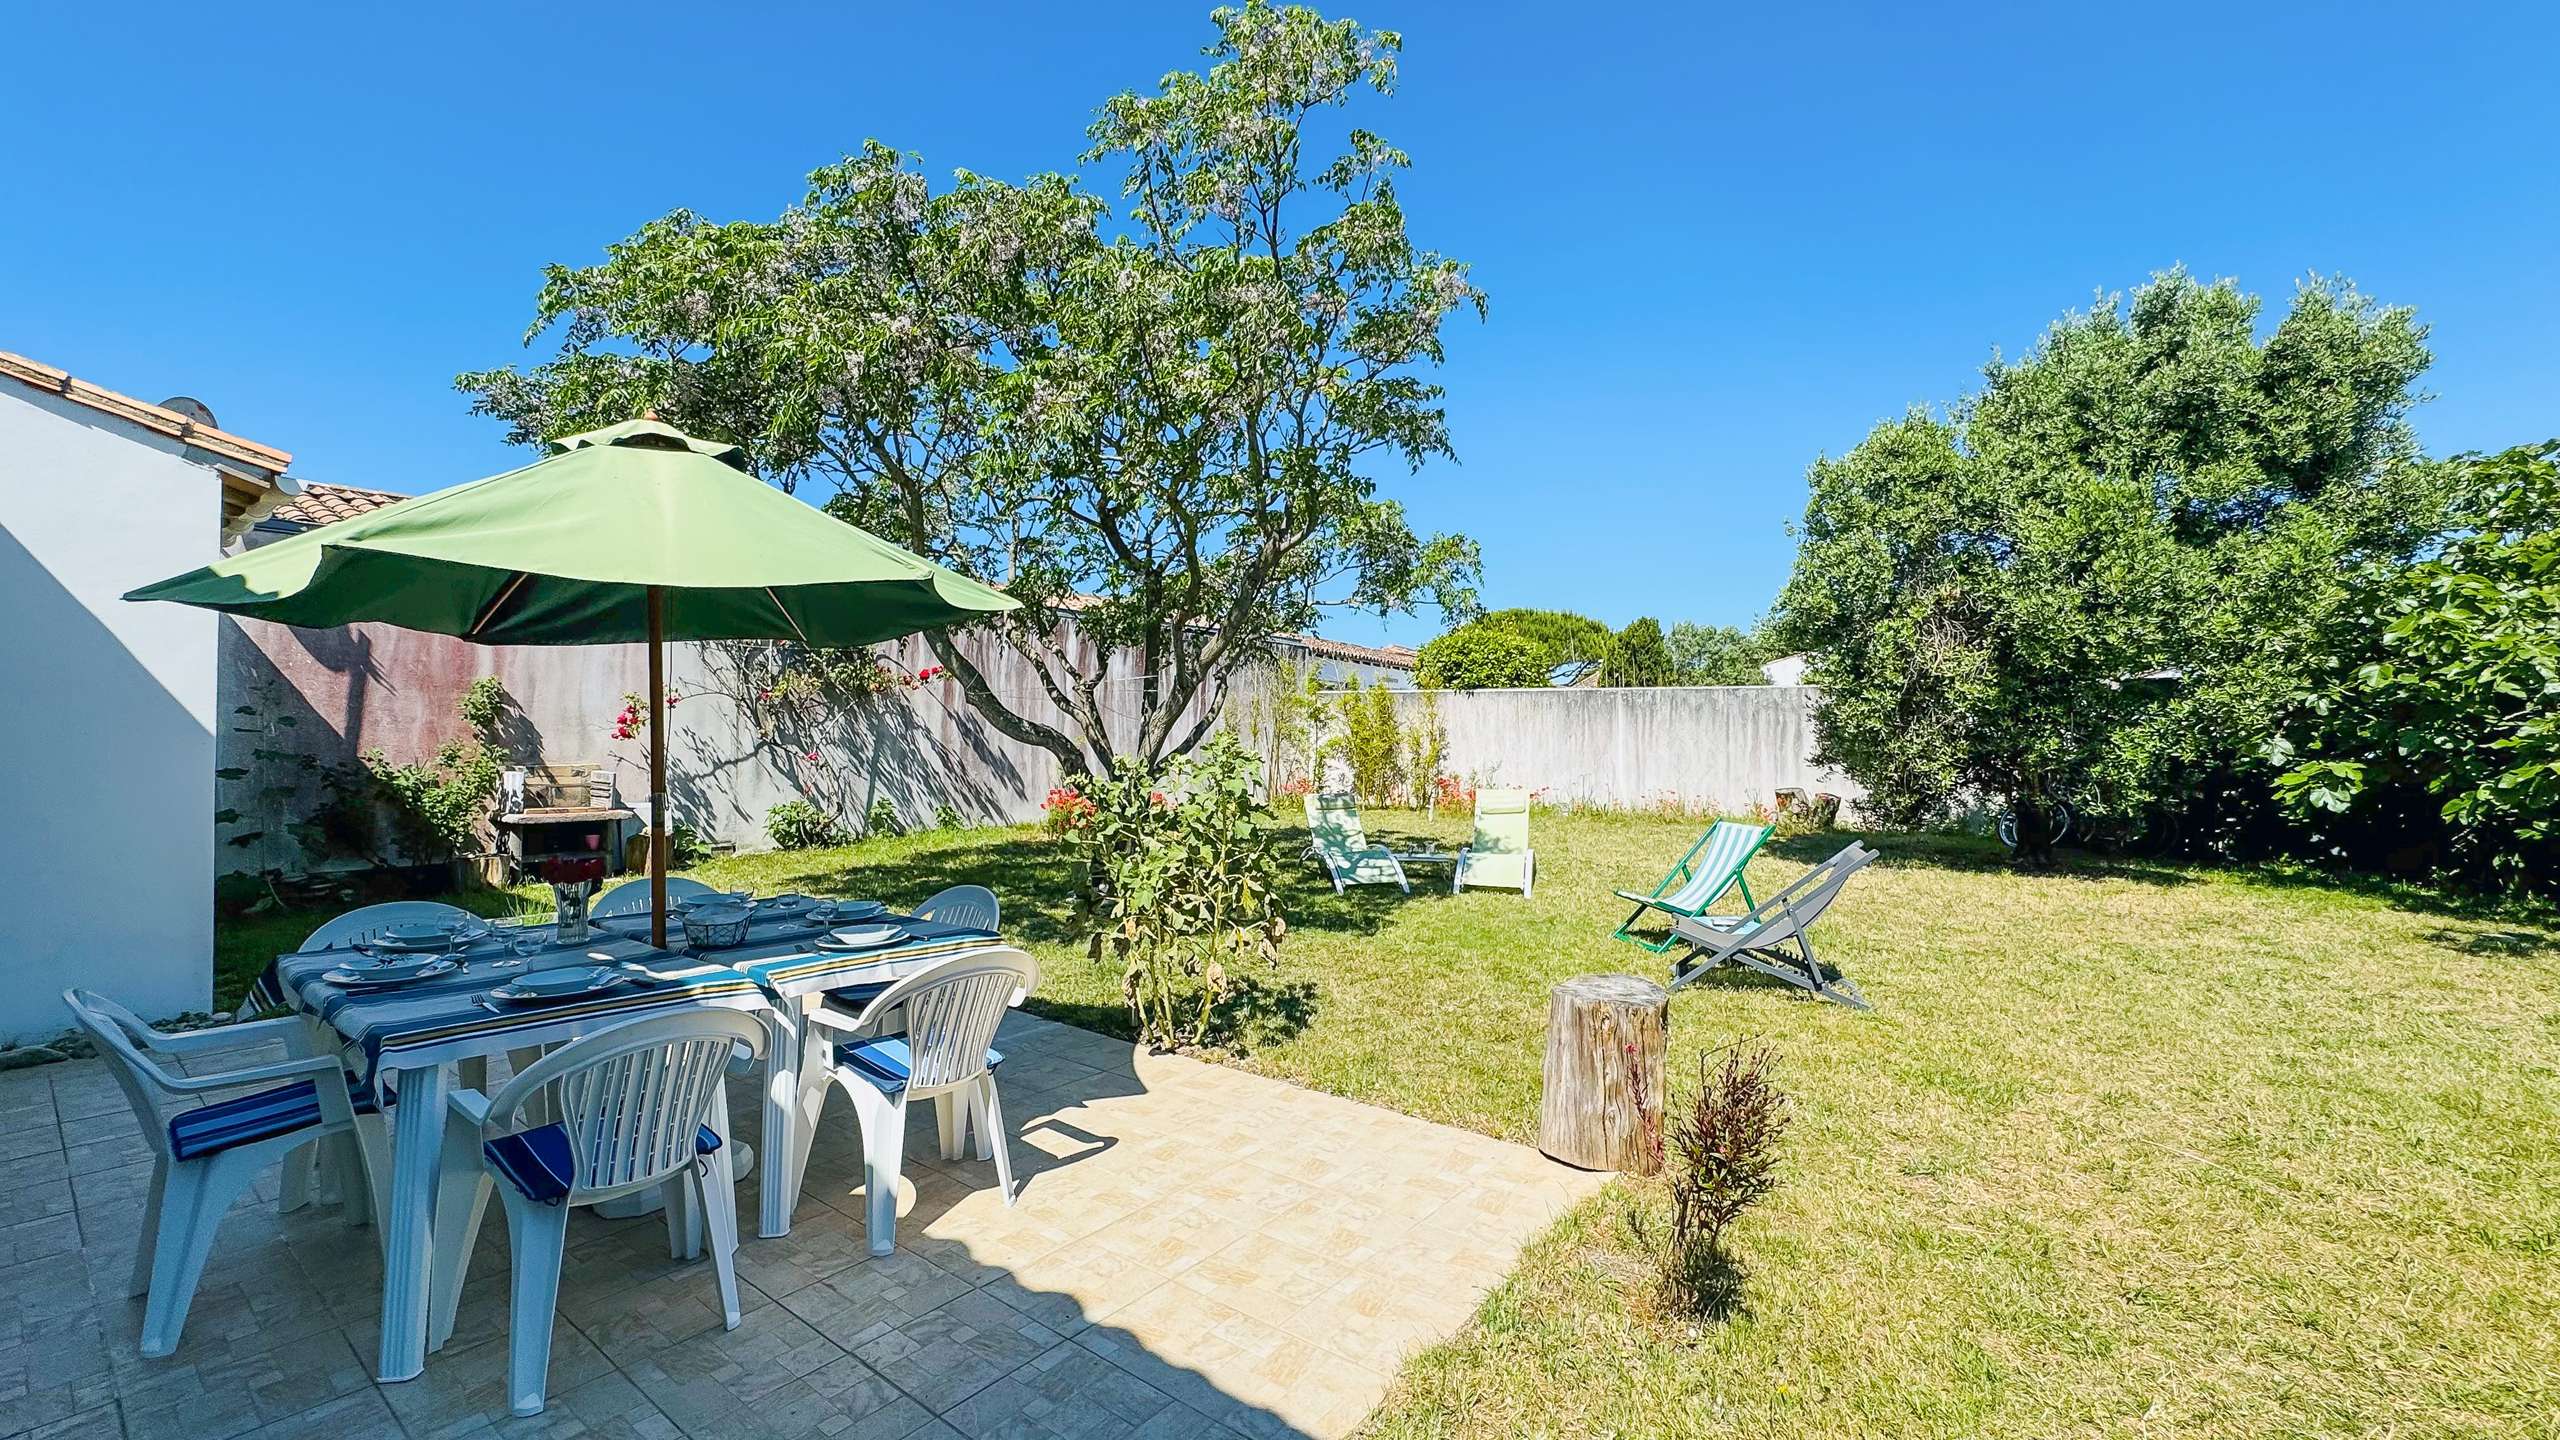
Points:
(1197, 1253)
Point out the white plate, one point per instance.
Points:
(858, 909)
(861, 937)
(784, 904)
(390, 976)
(563, 984)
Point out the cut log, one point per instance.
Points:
(1602, 1109)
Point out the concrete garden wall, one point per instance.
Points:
(1700, 748)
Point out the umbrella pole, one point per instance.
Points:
(657, 767)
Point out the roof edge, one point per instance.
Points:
(37, 375)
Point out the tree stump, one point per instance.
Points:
(1603, 1104)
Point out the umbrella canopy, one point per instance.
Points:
(635, 532)
(565, 551)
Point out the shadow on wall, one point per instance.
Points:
(110, 799)
(725, 772)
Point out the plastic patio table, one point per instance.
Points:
(408, 1035)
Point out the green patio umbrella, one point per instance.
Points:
(635, 532)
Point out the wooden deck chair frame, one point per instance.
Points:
(1680, 878)
(1758, 940)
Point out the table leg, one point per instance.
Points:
(416, 1145)
(781, 1117)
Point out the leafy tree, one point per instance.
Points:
(1572, 644)
(1718, 655)
(1638, 656)
(2107, 571)
(1480, 657)
(2444, 682)
(1167, 431)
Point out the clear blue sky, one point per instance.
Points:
(1719, 243)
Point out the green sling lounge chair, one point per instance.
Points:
(1774, 938)
(1712, 866)
(1334, 837)
(1499, 855)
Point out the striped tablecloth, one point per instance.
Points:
(447, 1019)
(781, 952)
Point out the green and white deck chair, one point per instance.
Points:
(1335, 839)
(1499, 855)
(1756, 941)
(1712, 866)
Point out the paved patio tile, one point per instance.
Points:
(1195, 1253)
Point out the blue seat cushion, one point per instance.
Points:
(537, 1161)
(854, 997)
(884, 1061)
(209, 1129)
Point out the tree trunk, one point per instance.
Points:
(1602, 1109)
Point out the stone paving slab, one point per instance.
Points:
(1197, 1253)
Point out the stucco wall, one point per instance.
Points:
(106, 746)
(1703, 748)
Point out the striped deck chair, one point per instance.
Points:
(1755, 941)
(1712, 866)
(1335, 839)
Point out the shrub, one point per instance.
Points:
(799, 825)
(1183, 884)
(438, 805)
(881, 818)
(1065, 810)
(1480, 657)
(1723, 1160)
(1372, 744)
(947, 817)
(685, 847)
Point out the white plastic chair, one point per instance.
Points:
(301, 1170)
(631, 897)
(945, 1053)
(203, 1157)
(640, 1105)
(970, 905)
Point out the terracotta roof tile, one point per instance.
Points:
(320, 504)
(40, 376)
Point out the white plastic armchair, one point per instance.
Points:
(640, 1106)
(356, 924)
(631, 897)
(970, 905)
(203, 1156)
(945, 1053)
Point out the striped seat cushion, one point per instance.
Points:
(208, 1129)
(537, 1161)
(884, 1061)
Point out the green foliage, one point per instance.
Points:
(1176, 423)
(2445, 679)
(1480, 657)
(881, 817)
(1185, 878)
(1426, 746)
(685, 847)
(1371, 744)
(799, 825)
(1638, 656)
(435, 807)
(1569, 644)
(1719, 654)
(946, 816)
(2108, 570)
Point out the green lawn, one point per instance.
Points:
(2128, 1149)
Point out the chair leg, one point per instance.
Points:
(813, 1108)
(884, 1137)
(148, 1240)
(684, 1218)
(720, 1209)
(301, 1182)
(463, 1184)
(992, 1141)
(950, 1116)
(536, 1234)
(191, 1210)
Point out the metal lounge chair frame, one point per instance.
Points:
(1337, 841)
(1693, 884)
(1756, 940)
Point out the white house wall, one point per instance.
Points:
(106, 743)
